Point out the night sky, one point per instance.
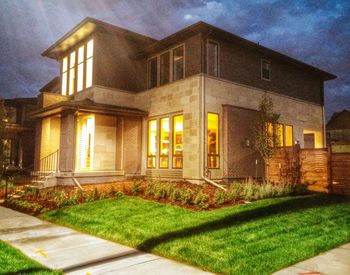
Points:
(316, 32)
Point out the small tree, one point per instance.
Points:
(266, 137)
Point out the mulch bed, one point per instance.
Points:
(47, 201)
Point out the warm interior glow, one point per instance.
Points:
(64, 64)
(81, 54)
(317, 138)
(177, 141)
(164, 142)
(50, 139)
(213, 140)
(89, 72)
(289, 135)
(90, 49)
(85, 141)
(64, 75)
(280, 134)
(80, 79)
(152, 144)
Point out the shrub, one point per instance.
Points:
(60, 198)
(119, 194)
(219, 197)
(103, 196)
(248, 191)
(136, 187)
(175, 195)
(234, 192)
(26, 205)
(186, 196)
(201, 200)
(92, 195)
(31, 190)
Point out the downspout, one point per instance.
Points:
(203, 145)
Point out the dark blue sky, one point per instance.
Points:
(316, 32)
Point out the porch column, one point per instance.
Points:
(67, 142)
(37, 145)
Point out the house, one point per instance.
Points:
(18, 135)
(338, 131)
(180, 108)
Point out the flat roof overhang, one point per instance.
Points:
(86, 106)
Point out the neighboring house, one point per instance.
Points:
(338, 129)
(182, 107)
(19, 134)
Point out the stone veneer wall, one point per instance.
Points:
(302, 115)
(105, 143)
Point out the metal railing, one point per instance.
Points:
(49, 164)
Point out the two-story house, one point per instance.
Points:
(181, 107)
(18, 133)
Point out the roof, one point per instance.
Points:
(54, 85)
(86, 27)
(89, 25)
(21, 101)
(339, 121)
(206, 29)
(86, 105)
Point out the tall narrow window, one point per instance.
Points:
(80, 80)
(280, 134)
(213, 58)
(289, 135)
(71, 73)
(85, 141)
(164, 68)
(265, 70)
(178, 63)
(213, 140)
(64, 75)
(270, 134)
(152, 72)
(152, 144)
(164, 142)
(89, 62)
(177, 141)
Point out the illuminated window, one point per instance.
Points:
(213, 58)
(152, 144)
(164, 142)
(71, 73)
(280, 134)
(213, 140)
(85, 141)
(164, 68)
(289, 135)
(89, 62)
(152, 72)
(80, 80)
(313, 139)
(64, 75)
(178, 63)
(177, 141)
(265, 70)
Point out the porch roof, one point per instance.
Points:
(87, 106)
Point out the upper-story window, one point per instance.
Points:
(166, 67)
(178, 63)
(77, 69)
(213, 58)
(265, 70)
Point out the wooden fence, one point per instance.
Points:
(322, 169)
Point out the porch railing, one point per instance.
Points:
(49, 164)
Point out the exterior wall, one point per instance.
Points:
(47, 99)
(37, 141)
(302, 115)
(181, 96)
(50, 136)
(243, 65)
(239, 160)
(105, 143)
(67, 143)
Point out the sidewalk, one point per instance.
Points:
(333, 262)
(73, 252)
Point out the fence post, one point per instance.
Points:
(330, 168)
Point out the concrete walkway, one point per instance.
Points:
(62, 248)
(333, 262)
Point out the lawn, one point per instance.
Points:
(256, 238)
(12, 261)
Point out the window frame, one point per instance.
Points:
(218, 57)
(173, 63)
(218, 141)
(172, 143)
(262, 68)
(160, 155)
(285, 133)
(148, 143)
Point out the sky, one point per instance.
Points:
(314, 31)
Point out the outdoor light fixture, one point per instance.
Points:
(247, 142)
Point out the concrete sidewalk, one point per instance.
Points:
(62, 248)
(333, 262)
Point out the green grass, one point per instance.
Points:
(256, 238)
(12, 261)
